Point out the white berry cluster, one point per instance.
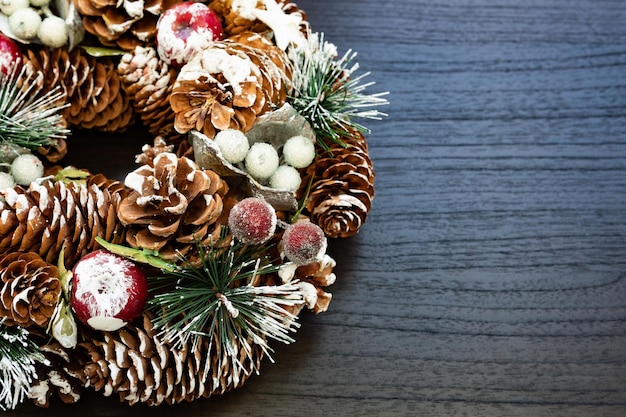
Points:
(24, 169)
(277, 168)
(33, 20)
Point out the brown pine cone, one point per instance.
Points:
(49, 216)
(61, 375)
(91, 85)
(30, 289)
(55, 151)
(148, 81)
(236, 21)
(124, 24)
(228, 85)
(312, 278)
(140, 367)
(342, 187)
(267, 48)
(173, 204)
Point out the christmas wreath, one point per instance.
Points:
(170, 285)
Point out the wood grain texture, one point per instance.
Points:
(490, 278)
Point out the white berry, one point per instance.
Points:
(299, 151)
(8, 7)
(285, 178)
(25, 23)
(26, 168)
(53, 32)
(261, 161)
(6, 181)
(233, 144)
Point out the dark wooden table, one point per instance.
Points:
(490, 278)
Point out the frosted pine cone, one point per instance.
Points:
(139, 367)
(237, 18)
(312, 280)
(342, 190)
(50, 216)
(92, 87)
(148, 81)
(227, 86)
(30, 289)
(173, 204)
(267, 48)
(60, 375)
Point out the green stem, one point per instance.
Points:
(143, 256)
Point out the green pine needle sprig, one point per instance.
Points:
(18, 355)
(326, 92)
(219, 301)
(29, 119)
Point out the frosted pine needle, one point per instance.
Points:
(327, 94)
(18, 355)
(219, 300)
(29, 119)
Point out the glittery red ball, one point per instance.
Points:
(252, 221)
(303, 242)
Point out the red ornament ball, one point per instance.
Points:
(108, 291)
(252, 221)
(303, 242)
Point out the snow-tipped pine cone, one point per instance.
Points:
(172, 205)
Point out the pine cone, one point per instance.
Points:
(235, 22)
(49, 216)
(228, 85)
(124, 24)
(148, 81)
(342, 190)
(30, 289)
(59, 375)
(91, 84)
(312, 278)
(261, 43)
(135, 364)
(173, 203)
(55, 151)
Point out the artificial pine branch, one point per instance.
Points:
(18, 355)
(29, 119)
(326, 93)
(219, 299)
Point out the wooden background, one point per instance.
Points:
(490, 278)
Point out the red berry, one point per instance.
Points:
(185, 29)
(108, 290)
(303, 242)
(252, 220)
(10, 54)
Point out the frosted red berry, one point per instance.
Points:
(10, 54)
(108, 290)
(252, 221)
(303, 242)
(185, 29)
